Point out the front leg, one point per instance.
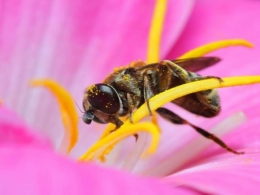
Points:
(116, 121)
(131, 105)
(150, 87)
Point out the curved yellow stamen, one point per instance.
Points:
(98, 149)
(155, 120)
(205, 49)
(110, 127)
(153, 49)
(154, 40)
(67, 109)
(182, 90)
(156, 31)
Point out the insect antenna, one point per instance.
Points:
(78, 107)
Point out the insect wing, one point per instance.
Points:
(196, 64)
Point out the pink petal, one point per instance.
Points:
(13, 131)
(29, 166)
(37, 170)
(235, 175)
(75, 43)
(217, 20)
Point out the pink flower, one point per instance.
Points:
(78, 43)
(29, 166)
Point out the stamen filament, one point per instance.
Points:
(107, 130)
(98, 149)
(156, 31)
(67, 109)
(205, 49)
(182, 90)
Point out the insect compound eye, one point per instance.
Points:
(88, 116)
(103, 97)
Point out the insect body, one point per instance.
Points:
(128, 88)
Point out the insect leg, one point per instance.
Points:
(182, 74)
(174, 118)
(131, 106)
(150, 89)
(198, 78)
(146, 96)
(115, 120)
(187, 76)
(118, 124)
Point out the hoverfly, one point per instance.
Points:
(128, 88)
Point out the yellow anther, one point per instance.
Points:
(156, 31)
(205, 49)
(67, 109)
(98, 149)
(182, 90)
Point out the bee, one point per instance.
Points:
(126, 89)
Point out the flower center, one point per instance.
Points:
(108, 140)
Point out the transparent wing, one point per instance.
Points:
(196, 64)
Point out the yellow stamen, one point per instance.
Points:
(182, 90)
(110, 127)
(156, 31)
(98, 149)
(155, 120)
(67, 109)
(205, 49)
(154, 40)
(153, 51)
